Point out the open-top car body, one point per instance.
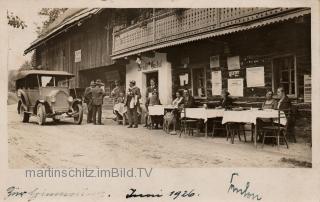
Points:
(46, 94)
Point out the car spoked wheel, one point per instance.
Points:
(41, 114)
(24, 116)
(79, 110)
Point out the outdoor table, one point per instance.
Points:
(204, 114)
(250, 116)
(157, 110)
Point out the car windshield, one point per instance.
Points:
(62, 82)
(47, 81)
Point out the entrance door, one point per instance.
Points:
(146, 81)
(151, 75)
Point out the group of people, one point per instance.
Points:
(127, 105)
(93, 97)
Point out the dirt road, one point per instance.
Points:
(68, 145)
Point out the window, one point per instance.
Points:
(284, 74)
(199, 82)
(46, 81)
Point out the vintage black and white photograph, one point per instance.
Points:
(215, 87)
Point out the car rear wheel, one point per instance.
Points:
(24, 116)
(78, 109)
(41, 114)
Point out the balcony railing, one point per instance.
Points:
(173, 25)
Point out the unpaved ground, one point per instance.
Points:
(67, 145)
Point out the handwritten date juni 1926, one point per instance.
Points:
(173, 194)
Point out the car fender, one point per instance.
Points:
(23, 97)
(76, 101)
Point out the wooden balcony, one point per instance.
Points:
(181, 24)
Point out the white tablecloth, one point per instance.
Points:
(156, 110)
(214, 113)
(250, 116)
(159, 109)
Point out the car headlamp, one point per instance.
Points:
(70, 99)
(53, 99)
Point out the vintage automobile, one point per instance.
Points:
(46, 94)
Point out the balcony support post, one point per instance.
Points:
(154, 24)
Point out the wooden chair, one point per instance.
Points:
(187, 125)
(217, 125)
(234, 129)
(277, 130)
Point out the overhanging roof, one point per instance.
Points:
(59, 25)
(218, 32)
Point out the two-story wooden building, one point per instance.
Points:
(245, 50)
(80, 42)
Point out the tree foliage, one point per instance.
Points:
(51, 15)
(25, 66)
(15, 21)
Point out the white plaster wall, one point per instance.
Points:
(164, 80)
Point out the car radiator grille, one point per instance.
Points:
(61, 103)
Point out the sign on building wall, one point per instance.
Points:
(214, 61)
(77, 55)
(307, 88)
(233, 62)
(255, 77)
(235, 87)
(216, 82)
(184, 79)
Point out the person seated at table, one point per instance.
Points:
(226, 101)
(151, 101)
(285, 105)
(178, 101)
(119, 107)
(269, 103)
(188, 100)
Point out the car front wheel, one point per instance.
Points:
(79, 110)
(41, 114)
(24, 116)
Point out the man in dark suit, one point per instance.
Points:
(285, 105)
(88, 100)
(133, 104)
(226, 101)
(98, 94)
(188, 99)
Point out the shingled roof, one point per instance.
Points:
(68, 19)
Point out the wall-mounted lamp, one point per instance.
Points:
(138, 61)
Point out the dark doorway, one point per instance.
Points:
(151, 75)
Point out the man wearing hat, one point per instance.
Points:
(88, 100)
(98, 94)
(133, 104)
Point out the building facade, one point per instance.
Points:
(244, 50)
(80, 42)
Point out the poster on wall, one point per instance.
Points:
(77, 55)
(233, 62)
(235, 87)
(184, 79)
(255, 77)
(214, 61)
(216, 82)
(307, 88)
